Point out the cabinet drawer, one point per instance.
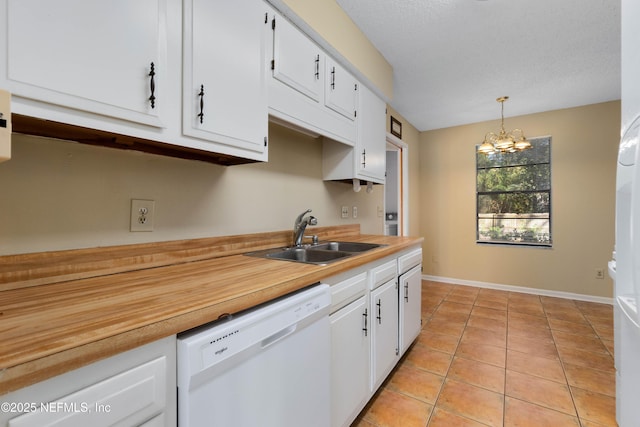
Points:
(347, 291)
(383, 273)
(128, 398)
(408, 261)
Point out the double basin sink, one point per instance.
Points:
(322, 253)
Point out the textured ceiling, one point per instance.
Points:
(452, 58)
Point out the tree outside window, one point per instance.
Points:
(513, 196)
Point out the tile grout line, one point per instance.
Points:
(506, 355)
(444, 379)
(564, 371)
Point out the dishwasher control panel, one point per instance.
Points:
(256, 328)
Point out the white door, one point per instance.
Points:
(350, 350)
(410, 307)
(224, 96)
(384, 319)
(104, 57)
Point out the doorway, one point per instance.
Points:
(396, 207)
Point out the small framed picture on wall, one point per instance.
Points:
(396, 127)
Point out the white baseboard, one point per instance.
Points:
(513, 288)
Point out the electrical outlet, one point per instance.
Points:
(599, 273)
(355, 212)
(380, 212)
(142, 212)
(345, 212)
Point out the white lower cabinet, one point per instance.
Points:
(410, 296)
(350, 348)
(410, 306)
(384, 328)
(371, 327)
(135, 388)
(383, 283)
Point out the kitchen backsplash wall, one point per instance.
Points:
(61, 195)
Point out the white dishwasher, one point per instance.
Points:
(266, 367)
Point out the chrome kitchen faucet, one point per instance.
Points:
(300, 226)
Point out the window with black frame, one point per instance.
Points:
(513, 196)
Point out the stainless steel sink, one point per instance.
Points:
(309, 255)
(319, 254)
(347, 246)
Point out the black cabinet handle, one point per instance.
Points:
(317, 67)
(201, 95)
(365, 322)
(333, 77)
(364, 158)
(152, 85)
(379, 317)
(406, 292)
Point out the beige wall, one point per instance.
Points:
(60, 195)
(583, 155)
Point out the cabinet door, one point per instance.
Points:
(93, 56)
(134, 388)
(297, 61)
(341, 90)
(224, 94)
(371, 140)
(350, 349)
(384, 319)
(410, 307)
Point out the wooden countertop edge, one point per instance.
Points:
(43, 268)
(40, 368)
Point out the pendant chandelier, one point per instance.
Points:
(504, 142)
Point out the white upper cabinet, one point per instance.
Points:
(367, 159)
(307, 89)
(340, 90)
(135, 70)
(104, 57)
(297, 61)
(371, 142)
(224, 69)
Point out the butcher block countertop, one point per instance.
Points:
(63, 310)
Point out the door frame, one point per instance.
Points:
(403, 179)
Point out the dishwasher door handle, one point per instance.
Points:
(278, 336)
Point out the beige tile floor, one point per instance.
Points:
(495, 358)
